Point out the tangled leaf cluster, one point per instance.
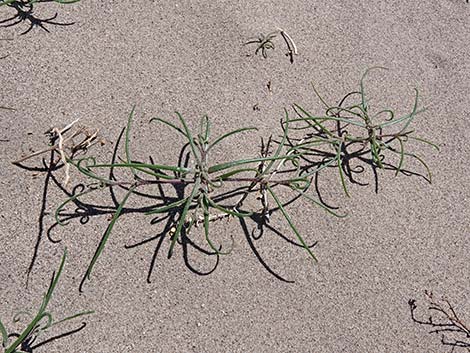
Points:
(308, 144)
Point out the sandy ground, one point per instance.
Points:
(188, 56)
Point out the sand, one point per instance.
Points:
(188, 56)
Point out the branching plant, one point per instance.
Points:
(266, 43)
(444, 320)
(25, 13)
(356, 132)
(39, 324)
(208, 191)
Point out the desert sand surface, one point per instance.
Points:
(267, 295)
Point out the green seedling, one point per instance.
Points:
(39, 324)
(264, 43)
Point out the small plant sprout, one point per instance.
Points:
(266, 42)
(207, 192)
(25, 13)
(39, 324)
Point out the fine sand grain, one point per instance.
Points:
(189, 56)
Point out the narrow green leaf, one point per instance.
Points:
(55, 279)
(234, 172)
(344, 120)
(425, 141)
(300, 183)
(402, 156)
(154, 174)
(105, 237)
(362, 91)
(219, 139)
(167, 207)
(226, 165)
(7, 2)
(413, 113)
(316, 170)
(226, 210)
(205, 128)
(205, 207)
(190, 139)
(385, 111)
(171, 125)
(41, 312)
(281, 143)
(319, 96)
(409, 117)
(327, 209)
(340, 169)
(66, 1)
(128, 133)
(141, 165)
(309, 118)
(83, 313)
(4, 333)
(182, 219)
(419, 159)
(85, 170)
(289, 221)
(337, 110)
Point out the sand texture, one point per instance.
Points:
(267, 295)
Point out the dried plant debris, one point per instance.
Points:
(25, 13)
(68, 142)
(443, 319)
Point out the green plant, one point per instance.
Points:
(292, 165)
(24, 13)
(24, 340)
(372, 137)
(264, 43)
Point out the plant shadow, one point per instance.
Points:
(84, 211)
(24, 13)
(29, 346)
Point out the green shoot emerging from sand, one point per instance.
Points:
(215, 191)
(40, 323)
(266, 42)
